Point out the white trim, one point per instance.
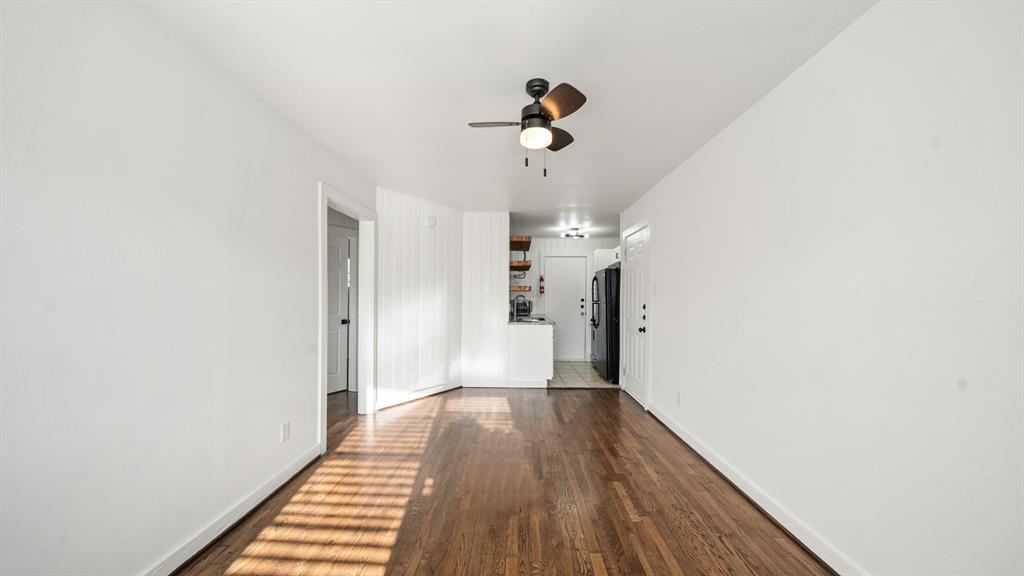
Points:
(329, 197)
(366, 300)
(504, 383)
(342, 231)
(825, 550)
(177, 558)
(403, 397)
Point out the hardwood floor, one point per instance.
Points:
(505, 482)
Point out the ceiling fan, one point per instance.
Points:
(536, 131)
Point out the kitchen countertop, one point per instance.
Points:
(541, 322)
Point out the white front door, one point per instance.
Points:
(565, 301)
(635, 354)
(337, 313)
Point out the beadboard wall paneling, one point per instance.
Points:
(485, 296)
(419, 290)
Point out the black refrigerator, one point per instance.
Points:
(604, 323)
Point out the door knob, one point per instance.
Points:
(344, 321)
(643, 329)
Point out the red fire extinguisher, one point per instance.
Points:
(541, 290)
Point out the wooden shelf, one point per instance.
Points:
(519, 265)
(519, 243)
(520, 288)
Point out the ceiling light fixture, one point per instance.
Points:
(536, 133)
(574, 234)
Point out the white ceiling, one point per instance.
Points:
(389, 87)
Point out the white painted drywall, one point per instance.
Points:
(159, 232)
(419, 282)
(485, 296)
(839, 294)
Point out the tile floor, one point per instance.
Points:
(577, 375)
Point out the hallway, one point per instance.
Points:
(509, 482)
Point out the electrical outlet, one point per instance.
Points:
(286, 431)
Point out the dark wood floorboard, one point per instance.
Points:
(505, 482)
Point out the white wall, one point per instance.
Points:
(839, 294)
(419, 280)
(159, 230)
(485, 296)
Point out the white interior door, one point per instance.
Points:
(634, 354)
(337, 313)
(565, 301)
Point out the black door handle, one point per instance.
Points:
(643, 329)
(344, 321)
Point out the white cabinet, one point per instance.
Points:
(531, 361)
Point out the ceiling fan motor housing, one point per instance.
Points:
(533, 115)
(537, 88)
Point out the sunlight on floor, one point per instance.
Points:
(344, 519)
(493, 413)
(486, 405)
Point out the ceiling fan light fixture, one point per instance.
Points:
(536, 133)
(574, 234)
(535, 130)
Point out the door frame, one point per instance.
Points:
(587, 273)
(330, 197)
(646, 393)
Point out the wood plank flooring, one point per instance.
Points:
(505, 482)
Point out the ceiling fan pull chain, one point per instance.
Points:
(545, 162)
(526, 157)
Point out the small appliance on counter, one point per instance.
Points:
(520, 307)
(604, 323)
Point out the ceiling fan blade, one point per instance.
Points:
(559, 139)
(492, 124)
(562, 100)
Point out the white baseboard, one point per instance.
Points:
(178, 557)
(504, 383)
(386, 399)
(801, 531)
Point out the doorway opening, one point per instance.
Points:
(347, 307)
(342, 302)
